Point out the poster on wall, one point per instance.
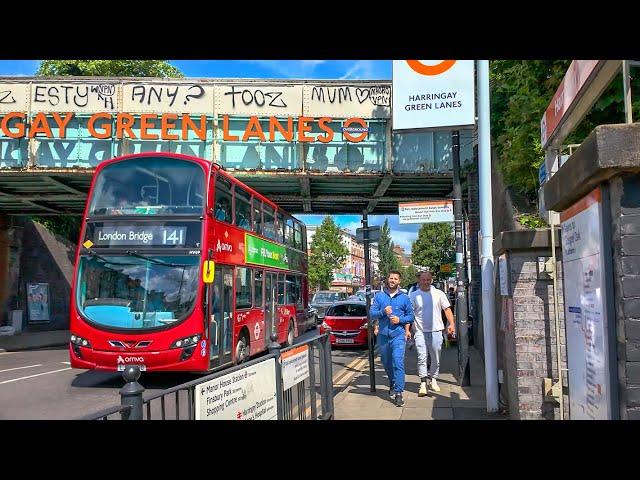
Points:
(38, 302)
(585, 309)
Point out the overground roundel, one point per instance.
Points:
(419, 67)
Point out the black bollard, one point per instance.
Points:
(131, 393)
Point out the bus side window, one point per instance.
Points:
(257, 288)
(257, 216)
(269, 219)
(243, 208)
(281, 289)
(223, 210)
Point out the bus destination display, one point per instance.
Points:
(136, 235)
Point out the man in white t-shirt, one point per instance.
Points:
(428, 303)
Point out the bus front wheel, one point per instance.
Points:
(242, 348)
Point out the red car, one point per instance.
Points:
(346, 323)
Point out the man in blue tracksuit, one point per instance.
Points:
(393, 311)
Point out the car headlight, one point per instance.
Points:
(326, 326)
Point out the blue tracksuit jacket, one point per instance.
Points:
(401, 306)
(391, 339)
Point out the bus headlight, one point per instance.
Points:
(189, 341)
(79, 341)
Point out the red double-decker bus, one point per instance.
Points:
(181, 267)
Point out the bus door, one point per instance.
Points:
(271, 281)
(221, 325)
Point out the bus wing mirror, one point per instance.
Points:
(208, 272)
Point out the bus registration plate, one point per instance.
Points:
(122, 366)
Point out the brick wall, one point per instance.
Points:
(38, 256)
(528, 338)
(625, 210)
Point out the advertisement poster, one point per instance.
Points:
(428, 211)
(38, 302)
(585, 309)
(248, 394)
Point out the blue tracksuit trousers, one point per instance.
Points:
(392, 355)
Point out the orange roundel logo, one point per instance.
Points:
(419, 67)
(363, 130)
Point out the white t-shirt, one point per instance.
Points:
(428, 307)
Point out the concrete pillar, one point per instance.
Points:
(4, 267)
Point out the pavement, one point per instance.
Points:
(33, 340)
(355, 401)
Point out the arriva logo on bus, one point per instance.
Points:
(102, 126)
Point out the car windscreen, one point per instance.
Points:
(325, 297)
(347, 310)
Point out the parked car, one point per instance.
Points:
(346, 323)
(324, 299)
(362, 295)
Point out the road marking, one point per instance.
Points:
(8, 353)
(346, 369)
(36, 375)
(66, 363)
(18, 368)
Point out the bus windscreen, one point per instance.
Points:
(149, 186)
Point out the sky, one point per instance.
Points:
(403, 235)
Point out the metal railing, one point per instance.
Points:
(308, 399)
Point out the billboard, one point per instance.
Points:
(433, 93)
(585, 312)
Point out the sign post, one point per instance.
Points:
(464, 374)
(367, 280)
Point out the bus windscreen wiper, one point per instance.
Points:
(106, 260)
(157, 262)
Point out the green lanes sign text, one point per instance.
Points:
(262, 252)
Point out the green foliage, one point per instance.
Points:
(67, 226)
(520, 93)
(388, 260)
(108, 68)
(434, 246)
(532, 221)
(328, 254)
(408, 276)
(521, 90)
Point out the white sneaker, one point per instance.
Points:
(434, 385)
(423, 390)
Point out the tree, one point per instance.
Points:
(69, 225)
(388, 260)
(328, 254)
(434, 246)
(108, 68)
(408, 276)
